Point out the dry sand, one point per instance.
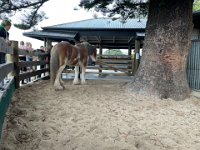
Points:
(101, 115)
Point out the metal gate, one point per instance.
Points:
(193, 66)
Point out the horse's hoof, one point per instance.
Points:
(62, 82)
(59, 88)
(63, 87)
(76, 82)
(83, 83)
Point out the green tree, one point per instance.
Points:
(28, 9)
(113, 52)
(196, 6)
(162, 71)
(122, 9)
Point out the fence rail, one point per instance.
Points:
(11, 72)
(121, 63)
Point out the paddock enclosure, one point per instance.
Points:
(101, 115)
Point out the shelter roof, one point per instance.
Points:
(110, 33)
(55, 36)
(102, 23)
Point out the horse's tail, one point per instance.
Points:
(54, 63)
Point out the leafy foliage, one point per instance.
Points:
(116, 9)
(29, 10)
(113, 52)
(196, 6)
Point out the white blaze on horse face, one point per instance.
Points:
(93, 58)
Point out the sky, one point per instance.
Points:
(58, 12)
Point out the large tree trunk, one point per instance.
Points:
(162, 71)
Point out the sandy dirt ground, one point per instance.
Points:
(101, 115)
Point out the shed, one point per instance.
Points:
(102, 32)
(105, 32)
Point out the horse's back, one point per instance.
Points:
(61, 53)
(62, 46)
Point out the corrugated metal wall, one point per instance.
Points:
(193, 66)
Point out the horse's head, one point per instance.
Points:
(92, 51)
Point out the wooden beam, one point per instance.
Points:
(113, 39)
(131, 39)
(31, 63)
(100, 53)
(129, 54)
(16, 63)
(31, 74)
(98, 38)
(137, 55)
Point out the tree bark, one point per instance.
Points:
(162, 71)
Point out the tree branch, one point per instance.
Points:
(14, 8)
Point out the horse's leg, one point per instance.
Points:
(57, 83)
(60, 79)
(76, 81)
(83, 70)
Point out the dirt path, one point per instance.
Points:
(98, 116)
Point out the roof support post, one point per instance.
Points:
(48, 45)
(137, 55)
(129, 54)
(45, 41)
(100, 53)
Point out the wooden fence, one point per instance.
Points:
(121, 63)
(10, 71)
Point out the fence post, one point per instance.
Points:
(10, 59)
(15, 59)
(49, 46)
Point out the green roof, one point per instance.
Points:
(102, 23)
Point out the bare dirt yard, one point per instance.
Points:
(101, 115)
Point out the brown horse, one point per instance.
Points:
(65, 54)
